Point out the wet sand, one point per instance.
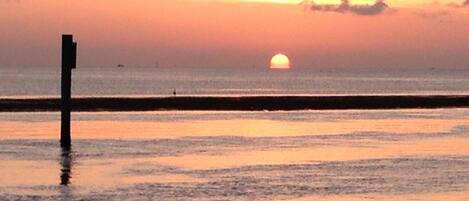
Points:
(363, 155)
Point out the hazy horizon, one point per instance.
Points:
(238, 34)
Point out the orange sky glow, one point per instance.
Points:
(230, 33)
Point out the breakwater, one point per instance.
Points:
(242, 103)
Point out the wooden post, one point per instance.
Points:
(69, 49)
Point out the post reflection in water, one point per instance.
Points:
(66, 166)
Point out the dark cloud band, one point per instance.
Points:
(378, 7)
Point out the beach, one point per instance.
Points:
(413, 154)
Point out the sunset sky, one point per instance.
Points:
(238, 34)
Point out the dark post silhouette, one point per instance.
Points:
(69, 58)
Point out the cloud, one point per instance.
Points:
(378, 7)
(10, 1)
(457, 5)
(433, 14)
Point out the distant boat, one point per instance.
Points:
(120, 65)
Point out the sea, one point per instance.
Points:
(327, 155)
(140, 81)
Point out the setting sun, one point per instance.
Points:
(280, 61)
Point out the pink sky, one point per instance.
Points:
(224, 34)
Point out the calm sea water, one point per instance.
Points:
(298, 155)
(374, 155)
(160, 81)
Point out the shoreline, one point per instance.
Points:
(240, 103)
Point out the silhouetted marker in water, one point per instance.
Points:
(174, 92)
(66, 167)
(69, 60)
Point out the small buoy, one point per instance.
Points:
(174, 91)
